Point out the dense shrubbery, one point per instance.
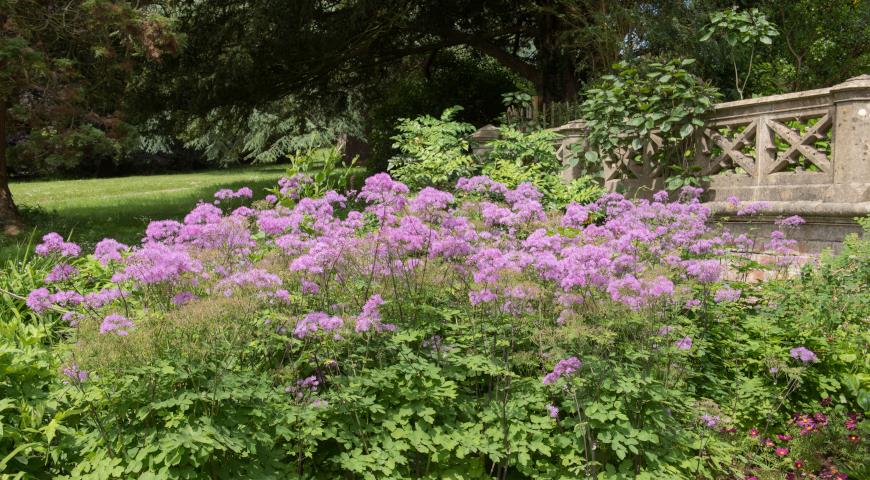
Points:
(648, 105)
(470, 334)
(435, 152)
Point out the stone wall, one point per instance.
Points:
(804, 153)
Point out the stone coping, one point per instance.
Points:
(802, 208)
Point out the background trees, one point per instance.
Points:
(88, 82)
(64, 70)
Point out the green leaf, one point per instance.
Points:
(686, 130)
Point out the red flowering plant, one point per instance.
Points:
(826, 444)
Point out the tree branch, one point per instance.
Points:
(485, 46)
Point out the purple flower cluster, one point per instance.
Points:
(117, 324)
(710, 421)
(109, 249)
(53, 243)
(564, 367)
(746, 209)
(552, 410)
(684, 343)
(75, 374)
(803, 354)
(491, 246)
(371, 316)
(42, 299)
(183, 298)
(315, 321)
(61, 272)
(792, 221)
(227, 194)
(726, 294)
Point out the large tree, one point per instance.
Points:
(252, 52)
(64, 66)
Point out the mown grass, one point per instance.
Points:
(92, 209)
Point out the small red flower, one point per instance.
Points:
(781, 451)
(784, 438)
(799, 464)
(753, 432)
(854, 438)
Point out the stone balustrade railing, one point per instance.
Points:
(804, 153)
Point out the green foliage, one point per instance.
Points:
(644, 103)
(436, 152)
(517, 157)
(432, 151)
(825, 309)
(323, 169)
(264, 135)
(740, 27)
(742, 30)
(29, 366)
(209, 390)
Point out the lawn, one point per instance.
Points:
(90, 210)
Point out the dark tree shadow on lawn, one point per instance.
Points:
(125, 221)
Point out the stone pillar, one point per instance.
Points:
(851, 140)
(765, 155)
(481, 138)
(572, 133)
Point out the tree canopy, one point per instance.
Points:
(64, 70)
(234, 80)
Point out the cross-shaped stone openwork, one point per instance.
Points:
(801, 145)
(731, 150)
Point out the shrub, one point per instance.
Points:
(435, 152)
(518, 157)
(648, 103)
(432, 151)
(474, 335)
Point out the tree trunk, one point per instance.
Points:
(557, 80)
(10, 220)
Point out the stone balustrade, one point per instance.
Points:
(804, 153)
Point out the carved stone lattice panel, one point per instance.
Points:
(801, 146)
(728, 148)
(630, 163)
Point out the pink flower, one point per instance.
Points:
(792, 221)
(553, 410)
(75, 374)
(684, 343)
(53, 243)
(109, 249)
(781, 451)
(562, 368)
(803, 354)
(315, 321)
(726, 294)
(370, 316)
(121, 326)
(39, 300)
